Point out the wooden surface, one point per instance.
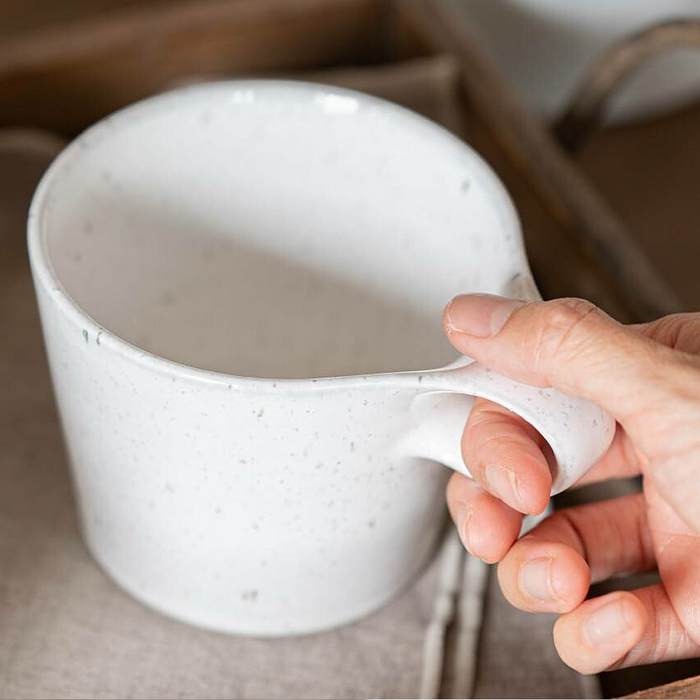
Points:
(650, 173)
(21, 16)
(66, 77)
(682, 690)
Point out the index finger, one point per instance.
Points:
(511, 460)
(506, 455)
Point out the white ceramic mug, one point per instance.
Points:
(201, 239)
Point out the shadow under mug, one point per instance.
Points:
(200, 240)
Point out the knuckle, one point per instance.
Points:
(678, 331)
(560, 327)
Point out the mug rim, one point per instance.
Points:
(44, 273)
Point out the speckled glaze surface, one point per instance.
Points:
(198, 257)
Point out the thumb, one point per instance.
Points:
(567, 344)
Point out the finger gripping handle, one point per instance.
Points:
(578, 431)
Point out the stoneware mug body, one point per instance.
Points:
(202, 261)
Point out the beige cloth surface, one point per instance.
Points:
(67, 631)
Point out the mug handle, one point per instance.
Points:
(578, 431)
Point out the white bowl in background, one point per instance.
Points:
(545, 48)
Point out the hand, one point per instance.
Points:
(647, 377)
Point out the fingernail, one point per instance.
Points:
(503, 483)
(606, 623)
(463, 517)
(536, 579)
(480, 315)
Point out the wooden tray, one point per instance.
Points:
(62, 79)
(65, 78)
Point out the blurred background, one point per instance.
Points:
(589, 112)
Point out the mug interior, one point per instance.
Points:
(276, 229)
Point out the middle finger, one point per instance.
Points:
(486, 525)
(551, 568)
